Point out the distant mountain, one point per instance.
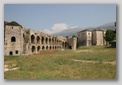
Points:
(109, 26)
(70, 32)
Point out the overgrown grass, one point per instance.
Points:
(59, 64)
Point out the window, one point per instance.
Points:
(16, 52)
(10, 53)
(13, 39)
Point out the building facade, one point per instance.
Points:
(85, 38)
(98, 37)
(19, 40)
(91, 37)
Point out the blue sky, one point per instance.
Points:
(53, 18)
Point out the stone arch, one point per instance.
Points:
(32, 39)
(46, 40)
(63, 45)
(38, 40)
(13, 39)
(42, 40)
(49, 41)
(16, 51)
(38, 48)
(46, 47)
(70, 47)
(10, 53)
(53, 41)
(43, 47)
(24, 37)
(33, 49)
(66, 44)
(50, 47)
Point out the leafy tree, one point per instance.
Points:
(110, 35)
(73, 36)
(66, 36)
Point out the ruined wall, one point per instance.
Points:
(72, 43)
(13, 40)
(18, 40)
(42, 41)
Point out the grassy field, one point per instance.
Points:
(94, 62)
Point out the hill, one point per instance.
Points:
(70, 32)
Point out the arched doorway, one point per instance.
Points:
(43, 47)
(32, 39)
(38, 48)
(50, 47)
(33, 48)
(10, 53)
(70, 47)
(42, 40)
(13, 39)
(49, 41)
(46, 40)
(38, 40)
(46, 47)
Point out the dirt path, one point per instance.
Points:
(91, 61)
(10, 68)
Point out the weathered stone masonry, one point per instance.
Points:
(18, 41)
(91, 37)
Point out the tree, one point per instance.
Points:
(73, 36)
(110, 35)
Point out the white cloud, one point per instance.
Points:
(74, 27)
(47, 31)
(56, 28)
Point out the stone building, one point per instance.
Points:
(91, 37)
(72, 42)
(85, 38)
(13, 40)
(98, 37)
(19, 40)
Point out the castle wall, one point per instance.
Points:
(13, 43)
(27, 41)
(72, 43)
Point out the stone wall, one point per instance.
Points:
(98, 37)
(91, 37)
(13, 40)
(19, 40)
(72, 43)
(85, 38)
